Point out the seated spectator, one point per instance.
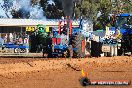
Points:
(1, 42)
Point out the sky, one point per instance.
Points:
(51, 2)
(2, 12)
(35, 11)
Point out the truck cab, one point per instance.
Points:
(124, 23)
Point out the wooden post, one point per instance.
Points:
(70, 28)
(59, 27)
(83, 45)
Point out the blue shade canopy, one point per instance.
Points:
(124, 15)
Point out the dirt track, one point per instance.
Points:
(62, 73)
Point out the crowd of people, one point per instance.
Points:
(14, 38)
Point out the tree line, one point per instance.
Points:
(95, 10)
(87, 8)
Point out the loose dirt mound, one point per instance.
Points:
(61, 73)
(26, 65)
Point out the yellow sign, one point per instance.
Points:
(107, 31)
(47, 29)
(30, 28)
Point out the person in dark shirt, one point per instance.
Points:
(64, 29)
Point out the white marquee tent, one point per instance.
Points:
(32, 22)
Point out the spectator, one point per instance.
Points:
(1, 42)
(5, 38)
(20, 41)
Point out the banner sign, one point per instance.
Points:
(30, 29)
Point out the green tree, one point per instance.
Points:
(89, 9)
(52, 11)
(122, 6)
(86, 9)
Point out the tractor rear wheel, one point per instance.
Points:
(77, 44)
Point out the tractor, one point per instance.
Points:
(114, 40)
(117, 40)
(41, 41)
(68, 41)
(124, 23)
(64, 41)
